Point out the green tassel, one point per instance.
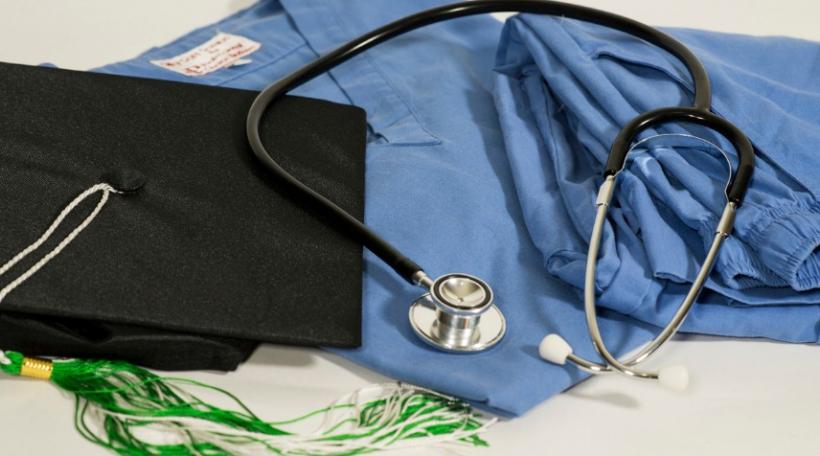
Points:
(132, 411)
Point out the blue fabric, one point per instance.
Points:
(564, 90)
(441, 187)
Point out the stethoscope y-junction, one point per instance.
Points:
(457, 313)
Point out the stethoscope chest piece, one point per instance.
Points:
(458, 315)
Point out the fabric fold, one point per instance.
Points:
(602, 78)
(580, 83)
(792, 235)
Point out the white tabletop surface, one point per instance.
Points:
(747, 397)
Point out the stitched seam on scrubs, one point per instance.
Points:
(389, 105)
(653, 278)
(774, 217)
(748, 271)
(755, 270)
(391, 86)
(407, 104)
(550, 122)
(647, 297)
(600, 282)
(389, 83)
(264, 65)
(591, 94)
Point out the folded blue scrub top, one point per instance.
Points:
(443, 186)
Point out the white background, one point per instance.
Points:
(747, 397)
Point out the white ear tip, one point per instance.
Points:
(675, 378)
(554, 348)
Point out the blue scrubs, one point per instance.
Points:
(564, 90)
(459, 178)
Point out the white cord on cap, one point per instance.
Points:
(105, 189)
(554, 348)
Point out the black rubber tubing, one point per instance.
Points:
(699, 112)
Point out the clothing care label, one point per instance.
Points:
(222, 51)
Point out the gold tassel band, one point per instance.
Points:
(36, 368)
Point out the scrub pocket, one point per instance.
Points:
(291, 35)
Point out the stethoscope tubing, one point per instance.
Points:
(404, 266)
(698, 113)
(724, 227)
(742, 175)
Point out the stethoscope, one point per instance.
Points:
(457, 312)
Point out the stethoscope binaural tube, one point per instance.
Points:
(556, 350)
(412, 272)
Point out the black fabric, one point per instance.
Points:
(204, 249)
(148, 347)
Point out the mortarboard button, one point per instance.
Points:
(127, 180)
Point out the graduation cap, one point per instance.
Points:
(195, 255)
(138, 227)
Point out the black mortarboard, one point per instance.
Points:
(204, 256)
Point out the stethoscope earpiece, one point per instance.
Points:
(675, 378)
(457, 314)
(556, 350)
